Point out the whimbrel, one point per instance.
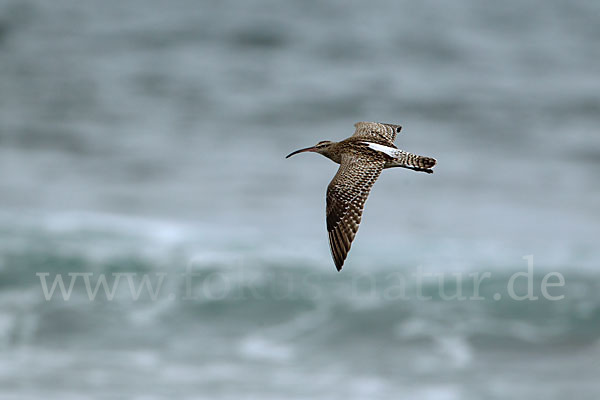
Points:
(362, 157)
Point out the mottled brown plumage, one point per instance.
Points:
(362, 157)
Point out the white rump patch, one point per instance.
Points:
(390, 151)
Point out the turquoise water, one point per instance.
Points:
(142, 165)
(271, 322)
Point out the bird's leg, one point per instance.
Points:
(426, 170)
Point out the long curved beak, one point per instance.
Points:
(301, 151)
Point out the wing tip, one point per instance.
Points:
(336, 253)
(395, 127)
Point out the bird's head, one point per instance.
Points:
(322, 148)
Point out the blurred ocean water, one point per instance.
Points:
(145, 140)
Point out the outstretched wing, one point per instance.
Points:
(346, 196)
(386, 132)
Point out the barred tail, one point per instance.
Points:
(412, 161)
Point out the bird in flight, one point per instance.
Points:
(362, 157)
